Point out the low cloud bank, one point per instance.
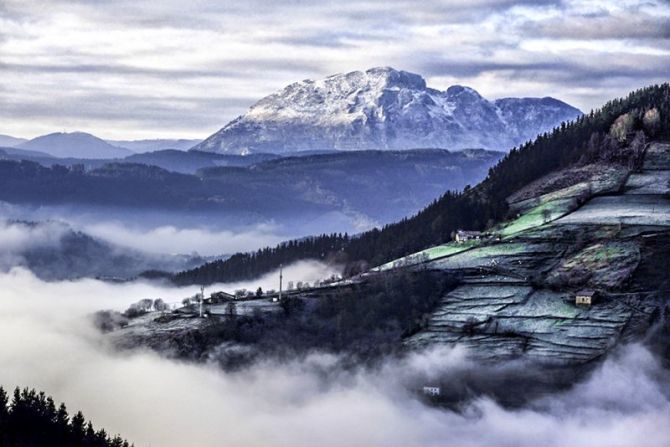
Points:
(301, 271)
(16, 238)
(54, 250)
(169, 239)
(49, 343)
(147, 231)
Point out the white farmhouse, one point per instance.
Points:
(431, 391)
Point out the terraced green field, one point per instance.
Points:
(430, 254)
(540, 215)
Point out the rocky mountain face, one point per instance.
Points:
(74, 145)
(384, 108)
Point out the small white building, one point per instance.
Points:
(464, 236)
(585, 297)
(431, 391)
(219, 297)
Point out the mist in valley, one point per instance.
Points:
(173, 240)
(68, 243)
(50, 342)
(455, 215)
(173, 232)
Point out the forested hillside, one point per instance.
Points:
(602, 134)
(366, 186)
(327, 247)
(31, 419)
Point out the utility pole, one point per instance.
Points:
(281, 277)
(202, 298)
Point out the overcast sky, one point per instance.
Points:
(175, 68)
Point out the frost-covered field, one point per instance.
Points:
(568, 183)
(552, 328)
(489, 256)
(606, 264)
(649, 182)
(657, 157)
(539, 215)
(429, 254)
(626, 209)
(245, 307)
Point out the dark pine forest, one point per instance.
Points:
(31, 419)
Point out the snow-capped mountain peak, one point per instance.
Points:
(383, 108)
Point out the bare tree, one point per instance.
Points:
(622, 125)
(231, 309)
(160, 305)
(652, 121)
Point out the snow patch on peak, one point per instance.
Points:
(393, 78)
(384, 108)
(461, 90)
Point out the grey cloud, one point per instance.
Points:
(329, 39)
(203, 114)
(474, 68)
(116, 69)
(473, 41)
(631, 25)
(217, 70)
(567, 71)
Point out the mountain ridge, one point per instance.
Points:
(384, 108)
(155, 144)
(75, 145)
(340, 189)
(10, 141)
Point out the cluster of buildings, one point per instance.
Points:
(462, 236)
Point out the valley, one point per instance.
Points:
(353, 223)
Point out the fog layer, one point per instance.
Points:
(169, 239)
(171, 232)
(49, 343)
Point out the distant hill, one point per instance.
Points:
(384, 109)
(368, 187)
(76, 145)
(189, 162)
(157, 144)
(185, 162)
(24, 154)
(9, 141)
